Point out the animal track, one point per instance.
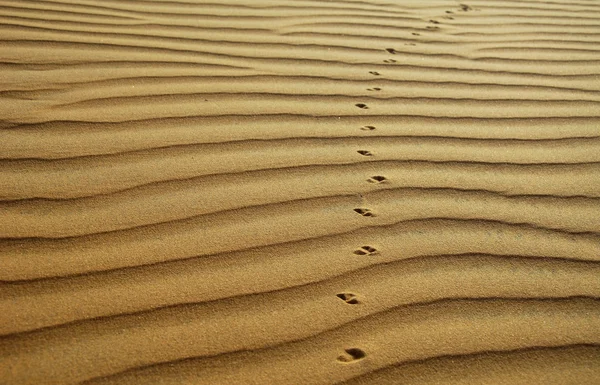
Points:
(351, 355)
(365, 152)
(431, 27)
(364, 212)
(391, 50)
(377, 179)
(374, 73)
(367, 128)
(365, 250)
(349, 298)
(416, 34)
(465, 8)
(362, 106)
(409, 44)
(374, 89)
(434, 21)
(389, 61)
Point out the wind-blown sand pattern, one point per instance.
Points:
(299, 192)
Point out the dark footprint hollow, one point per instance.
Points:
(364, 212)
(365, 153)
(352, 355)
(377, 179)
(349, 298)
(374, 73)
(389, 61)
(391, 50)
(365, 250)
(374, 89)
(367, 128)
(362, 106)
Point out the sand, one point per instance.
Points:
(300, 192)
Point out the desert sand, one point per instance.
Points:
(300, 192)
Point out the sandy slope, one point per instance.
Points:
(299, 192)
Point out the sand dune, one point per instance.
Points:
(306, 192)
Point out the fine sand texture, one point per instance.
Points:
(301, 192)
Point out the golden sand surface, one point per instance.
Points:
(300, 192)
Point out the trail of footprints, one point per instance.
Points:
(351, 355)
(393, 51)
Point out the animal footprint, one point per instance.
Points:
(430, 27)
(374, 73)
(391, 50)
(367, 128)
(365, 250)
(362, 106)
(416, 34)
(349, 298)
(365, 152)
(434, 21)
(377, 179)
(389, 61)
(465, 8)
(351, 355)
(409, 44)
(374, 89)
(364, 212)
